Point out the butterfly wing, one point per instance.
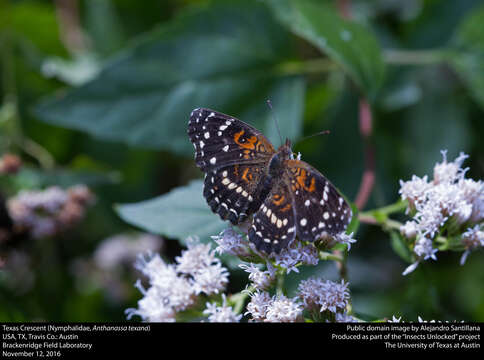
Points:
(320, 208)
(222, 140)
(273, 226)
(235, 191)
(233, 156)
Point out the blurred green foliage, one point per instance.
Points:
(99, 92)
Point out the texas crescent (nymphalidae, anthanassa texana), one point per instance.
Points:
(246, 176)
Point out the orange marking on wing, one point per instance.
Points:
(244, 175)
(301, 179)
(312, 186)
(250, 141)
(278, 202)
(286, 208)
(260, 147)
(236, 170)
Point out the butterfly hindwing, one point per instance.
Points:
(320, 208)
(235, 191)
(273, 226)
(222, 140)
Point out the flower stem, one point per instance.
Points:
(416, 57)
(399, 206)
(324, 255)
(368, 177)
(390, 56)
(342, 265)
(11, 126)
(280, 283)
(312, 66)
(239, 299)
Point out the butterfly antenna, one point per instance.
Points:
(324, 132)
(269, 103)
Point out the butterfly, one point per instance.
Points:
(245, 176)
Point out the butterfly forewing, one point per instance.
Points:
(221, 140)
(320, 208)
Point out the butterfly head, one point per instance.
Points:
(285, 150)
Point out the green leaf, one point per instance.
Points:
(104, 26)
(468, 60)
(181, 213)
(223, 57)
(349, 44)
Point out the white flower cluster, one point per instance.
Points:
(394, 319)
(324, 295)
(313, 295)
(296, 254)
(221, 314)
(174, 287)
(278, 308)
(230, 242)
(449, 200)
(47, 212)
(344, 238)
(262, 280)
(472, 239)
